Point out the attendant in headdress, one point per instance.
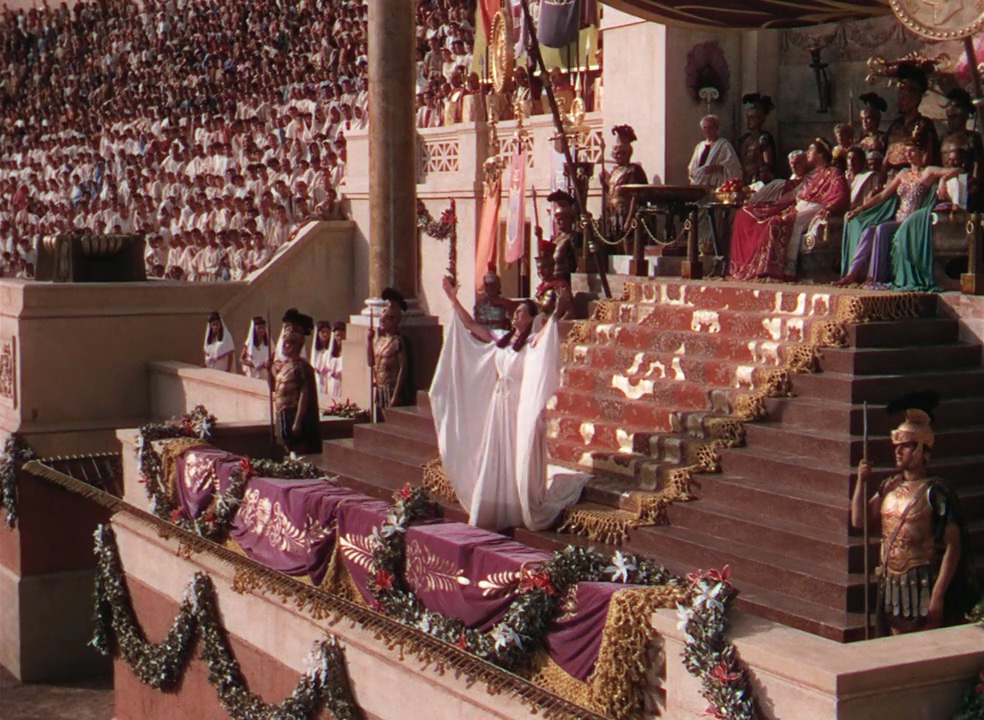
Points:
(387, 354)
(491, 309)
(926, 579)
(757, 146)
(320, 353)
(255, 357)
(625, 172)
(873, 141)
(295, 399)
(766, 238)
(219, 347)
(912, 85)
(334, 388)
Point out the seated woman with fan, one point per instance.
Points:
(766, 237)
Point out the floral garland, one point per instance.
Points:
(162, 664)
(444, 229)
(514, 641)
(196, 424)
(973, 705)
(16, 452)
(347, 409)
(707, 655)
(213, 524)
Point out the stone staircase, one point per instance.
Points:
(644, 381)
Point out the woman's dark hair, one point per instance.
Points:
(520, 341)
(256, 340)
(215, 335)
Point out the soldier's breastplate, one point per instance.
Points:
(913, 545)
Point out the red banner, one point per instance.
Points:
(488, 232)
(516, 225)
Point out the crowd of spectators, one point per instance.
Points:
(214, 129)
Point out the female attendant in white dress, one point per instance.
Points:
(320, 352)
(335, 361)
(255, 357)
(488, 397)
(219, 348)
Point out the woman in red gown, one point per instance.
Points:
(766, 237)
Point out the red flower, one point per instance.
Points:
(461, 642)
(714, 712)
(375, 605)
(720, 576)
(383, 580)
(187, 426)
(209, 516)
(536, 581)
(246, 467)
(694, 577)
(720, 673)
(176, 514)
(404, 492)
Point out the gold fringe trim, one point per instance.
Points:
(435, 481)
(171, 450)
(599, 523)
(547, 673)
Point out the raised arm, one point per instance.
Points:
(478, 330)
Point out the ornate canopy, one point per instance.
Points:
(750, 14)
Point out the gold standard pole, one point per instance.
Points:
(372, 369)
(865, 536)
(270, 381)
(579, 198)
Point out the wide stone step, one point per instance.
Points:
(882, 389)
(878, 361)
(900, 333)
(752, 496)
(343, 458)
(638, 471)
(391, 441)
(841, 449)
(821, 414)
(748, 297)
(673, 394)
(414, 419)
(579, 408)
(802, 579)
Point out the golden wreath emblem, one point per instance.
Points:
(501, 50)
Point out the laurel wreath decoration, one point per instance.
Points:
(161, 665)
(16, 452)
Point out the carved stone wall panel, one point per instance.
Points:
(8, 372)
(437, 156)
(514, 143)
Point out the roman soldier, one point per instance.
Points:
(388, 355)
(756, 147)
(873, 140)
(910, 124)
(564, 218)
(959, 142)
(551, 290)
(926, 580)
(625, 172)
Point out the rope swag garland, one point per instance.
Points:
(16, 452)
(444, 229)
(707, 654)
(161, 665)
(514, 641)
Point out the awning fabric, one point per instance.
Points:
(750, 14)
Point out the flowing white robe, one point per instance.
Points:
(217, 353)
(488, 405)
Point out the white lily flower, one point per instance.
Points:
(620, 567)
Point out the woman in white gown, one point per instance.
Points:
(218, 348)
(488, 397)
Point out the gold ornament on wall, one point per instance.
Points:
(941, 19)
(502, 59)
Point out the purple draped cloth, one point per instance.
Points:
(455, 569)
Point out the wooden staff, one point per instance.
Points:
(372, 368)
(270, 381)
(865, 535)
(537, 231)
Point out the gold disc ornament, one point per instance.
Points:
(941, 19)
(501, 51)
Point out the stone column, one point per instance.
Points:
(392, 148)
